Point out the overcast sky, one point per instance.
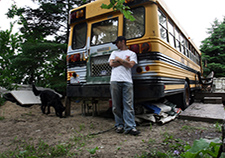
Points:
(195, 16)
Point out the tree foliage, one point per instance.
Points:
(213, 50)
(43, 49)
(9, 44)
(118, 5)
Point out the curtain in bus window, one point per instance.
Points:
(79, 36)
(104, 31)
(163, 26)
(135, 29)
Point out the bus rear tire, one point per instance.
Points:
(186, 96)
(182, 100)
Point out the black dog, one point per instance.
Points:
(49, 98)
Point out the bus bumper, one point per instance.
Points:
(149, 91)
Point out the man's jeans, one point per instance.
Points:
(122, 103)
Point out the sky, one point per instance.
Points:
(195, 16)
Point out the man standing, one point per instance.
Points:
(121, 87)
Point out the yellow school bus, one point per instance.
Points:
(168, 61)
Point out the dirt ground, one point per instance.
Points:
(28, 124)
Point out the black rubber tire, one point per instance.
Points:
(186, 96)
(182, 100)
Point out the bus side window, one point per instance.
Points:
(171, 34)
(163, 26)
(177, 36)
(79, 36)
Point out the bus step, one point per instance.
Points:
(212, 100)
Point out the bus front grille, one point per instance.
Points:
(100, 66)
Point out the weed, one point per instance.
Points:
(151, 141)
(218, 127)
(185, 127)
(168, 138)
(42, 149)
(82, 126)
(155, 153)
(93, 151)
(28, 114)
(203, 148)
(150, 126)
(2, 118)
(2, 101)
(91, 126)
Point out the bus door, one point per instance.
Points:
(102, 33)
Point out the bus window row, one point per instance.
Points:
(170, 33)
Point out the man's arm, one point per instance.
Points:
(127, 63)
(114, 63)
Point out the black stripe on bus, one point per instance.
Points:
(164, 58)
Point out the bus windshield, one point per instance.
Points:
(104, 31)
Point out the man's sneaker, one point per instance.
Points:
(119, 129)
(133, 132)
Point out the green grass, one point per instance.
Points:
(2, 118)
(27, 149)
(185, 127)
(42, 149)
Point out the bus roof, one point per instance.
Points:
(94, 9)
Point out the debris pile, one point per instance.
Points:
(158, 112)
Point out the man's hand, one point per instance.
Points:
(118, 59)
(127, 58)
(115, 62)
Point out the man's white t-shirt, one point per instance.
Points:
(121, 73)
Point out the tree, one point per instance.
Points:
(213, 50)
(9, 45)
(43, 59)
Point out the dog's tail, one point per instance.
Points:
(35, 91)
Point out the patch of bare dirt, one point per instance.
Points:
(30, 125)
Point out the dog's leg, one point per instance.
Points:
(42, 109)
(48, 109)
(43, 104)
(59, 114)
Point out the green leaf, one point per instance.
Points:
(203, 147)
(93, 151)
(118, 5)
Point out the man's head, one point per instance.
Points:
(120, 38)
(121, 43)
